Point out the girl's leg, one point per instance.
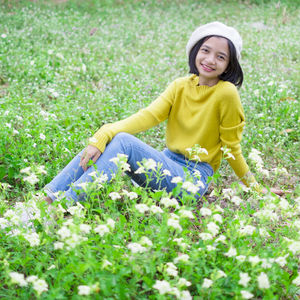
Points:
(136, 151)
(65, 178)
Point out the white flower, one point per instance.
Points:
(296, 280)
(221, 274)
(85, 228)
(236, 200)
(42, 136)
(205, 236)
(84, 290)
(254, 259)
(64, 232)
(218, 218)
(294, 247)
(110, 223)
(185, 295)
(231, 252)
(18, 278)
(114, 195)
(156, 209)
(101, 229)
(263, 281)
(244, 279)
(142, 208)
(227, 193)
(166, 172)
(184, 282)
(167, 202)
(263, 232)
(163, 286)
(32, 278)
(32, 238)
(186, 214)
(32, 179)
(284, 204)
(241, 258)
(171, 269)
(221, 238)
(176, 179)
(181, 258)
(146, 241)
(149, 164)
(40, 286)
(207, 283)
(210, 248)
(26, 170)
(190, 187)
(246, 295)
(106, 263)
(205, 211)
(136, 248)
(247, 230)
(281, 260)
(58, 245)
(3, 35)
(174, 223)
(213, 228)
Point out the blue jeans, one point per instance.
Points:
(72, 175)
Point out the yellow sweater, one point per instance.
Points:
(211, 117)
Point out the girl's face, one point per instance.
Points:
(212, 60)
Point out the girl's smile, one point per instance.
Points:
(212, 60)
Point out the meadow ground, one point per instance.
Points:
(66, 68)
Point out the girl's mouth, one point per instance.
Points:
(207, 68)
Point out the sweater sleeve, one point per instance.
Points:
(144, 119)
(232, 122)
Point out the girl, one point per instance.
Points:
(202, 109)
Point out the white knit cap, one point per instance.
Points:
(216, 28)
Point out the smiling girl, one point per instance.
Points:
(202, 109)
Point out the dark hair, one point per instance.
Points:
(233, 73)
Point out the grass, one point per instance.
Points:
(66, 68)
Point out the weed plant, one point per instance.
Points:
(66, 68)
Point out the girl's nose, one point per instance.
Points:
(210, 59)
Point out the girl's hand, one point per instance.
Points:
(273, 190)
(90, 153)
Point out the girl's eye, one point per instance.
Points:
(204, 50)
(221, 57)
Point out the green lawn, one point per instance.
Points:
(66, 68)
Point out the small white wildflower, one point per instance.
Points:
(296, 280)
(166, 172)
(101, 229)
(185, 295)
(247, 230)
(207, 283)
(205, 236)
(236, 200)
(32, 278)
(145, 241)
(181, 258)
(221, 274)
(85, 228)
(294, 247)
(281, 260)
(190, 187)
(149, 164)
(58, 245)
(136, 248)
(163, 286)
(40, 286)
(221, 238)
(171, 269)
(32, 238)
(174, 224)
(156, 209)
(176, 179)
(254, 259)
(3, 35)
(18, 278)
(205, 211)
(114, 195)
(106, 263)
(184, 282)
(84, 290)
(213, 228)
(142, 208)
(64, 232)
(32, 179)
(244, 279)
(241, 258)
(167, 202)
(231, 252)
(110, 223)
(210, 248)
(218, 218)
(284, 204)
(263, 281)
(186, 214)
(246, 295)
